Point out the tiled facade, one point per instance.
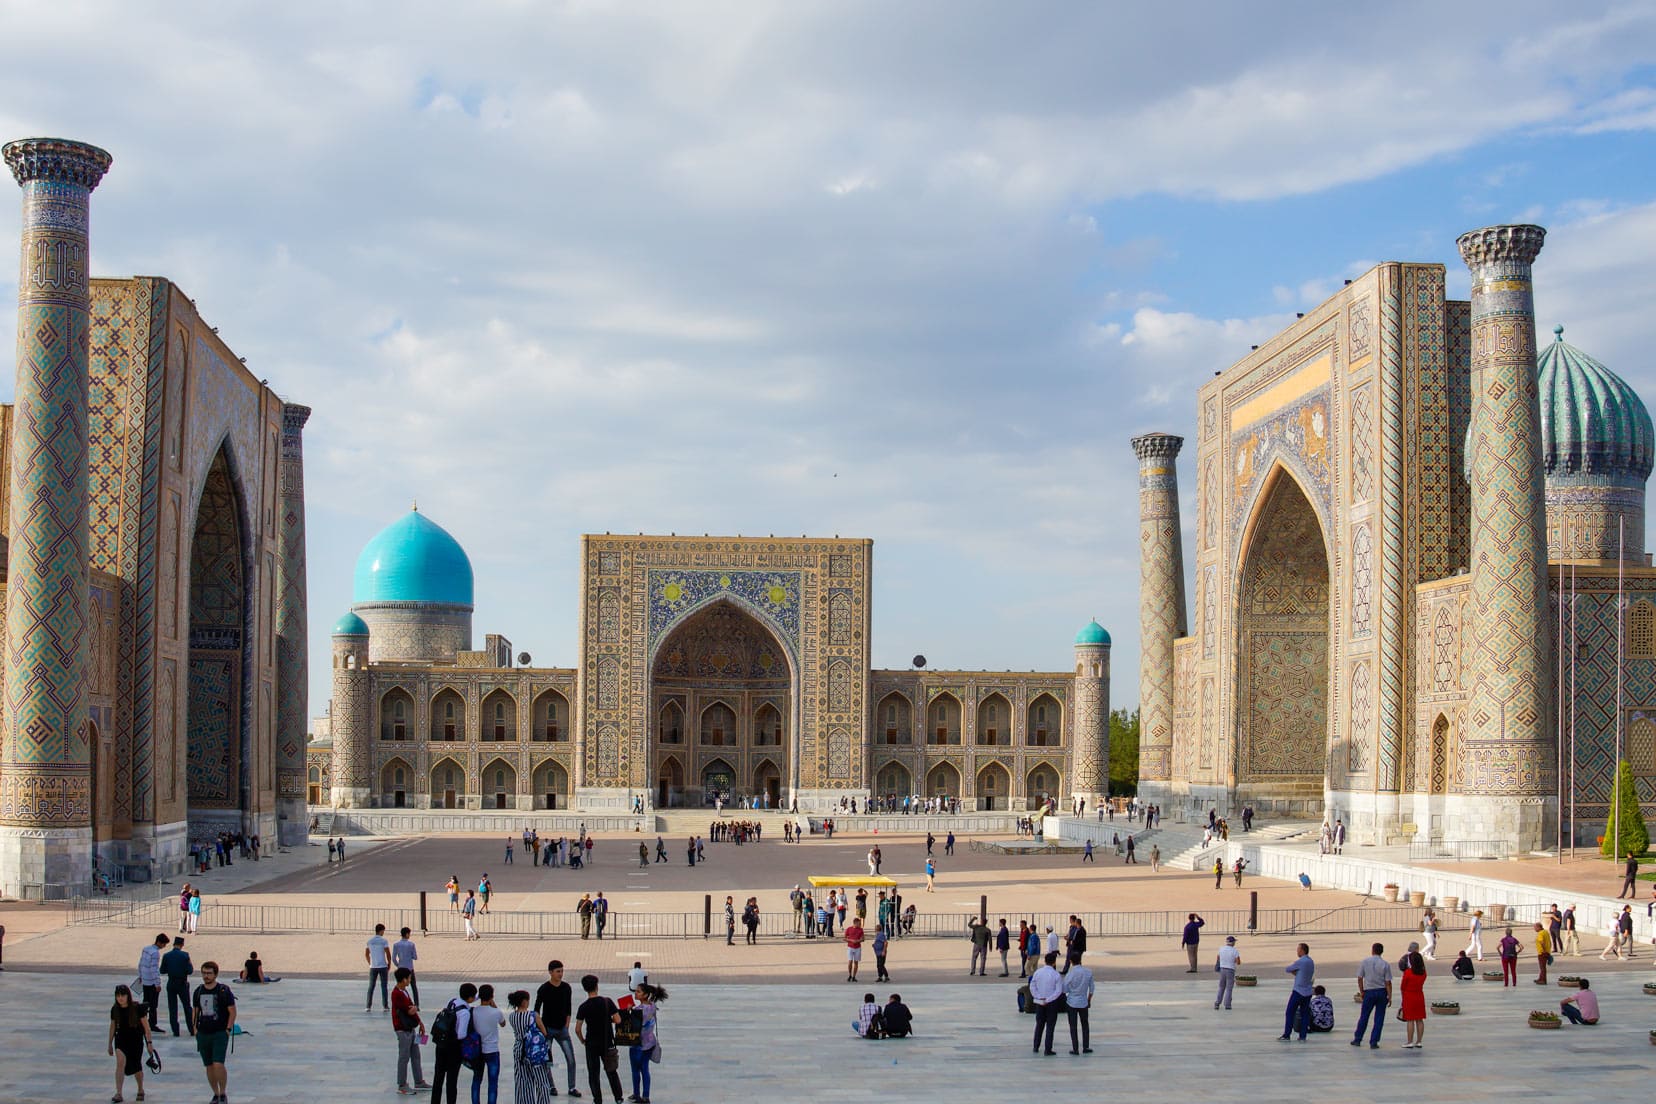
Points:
(710, 664)
(1340, 551)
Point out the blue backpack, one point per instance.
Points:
(536, 1050)
(471, 1047)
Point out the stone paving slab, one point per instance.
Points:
(1157, 1041)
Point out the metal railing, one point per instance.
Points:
(1439, 850)
(223, 916)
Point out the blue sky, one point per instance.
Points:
(911, 272)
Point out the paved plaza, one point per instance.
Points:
(1159, 1041)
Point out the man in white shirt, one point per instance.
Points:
(1374, 985)
(1229, 959)
(403, 956)
(487, 1020)
(378, 956)
(149, 976)
(1046, 989)
(1051, 940)
(1078, 994)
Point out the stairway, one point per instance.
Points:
(1200, 857)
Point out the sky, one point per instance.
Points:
(914, 272)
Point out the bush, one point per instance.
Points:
(1625, 832)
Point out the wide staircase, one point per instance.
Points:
(1200, 856)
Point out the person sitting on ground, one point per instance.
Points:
(869, 1021)
(1322, 1010)
(252, 971)
(1463, 968)
(1581, 1009)
(897, 1022)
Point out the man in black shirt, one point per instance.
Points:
(899, 1021)
(176, 968)
(213, 1008)
(553, 1001)
(595, 1024)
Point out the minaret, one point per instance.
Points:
(1090, 755)
(45, 755)
(292, 670)
(1507, 751)
(352, 713)
(1161, 600)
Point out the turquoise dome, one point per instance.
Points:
(1592, 422)
(350, 625)
(413, 560)
(1093, 634)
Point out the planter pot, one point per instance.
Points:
(1546, 1025)
(1418, 898)
(1569, 983)
(1497, 913)
(1390, 893)
(1445, 1009)
(1493, 975)
(1451, 904)
(1245, 981)
(1650, 988)
(1653, 1038)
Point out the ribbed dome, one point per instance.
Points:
(1093, 633)
(413, 560)
(1592, 422)
(350, 625)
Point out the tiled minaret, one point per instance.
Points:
(352, 704)
(292, 670)
(1161, 603)
(45, 756)
(1508, 751)
(1090, 757)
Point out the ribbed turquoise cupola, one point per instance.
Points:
(413, 560)
(1092, 633)
(1598, 447)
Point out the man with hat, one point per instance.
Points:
(1229, 959)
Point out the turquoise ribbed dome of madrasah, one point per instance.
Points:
(413, 560)
(350, 625)
(1093, 633)
(1592, 422)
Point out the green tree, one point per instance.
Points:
(1625, 832)
(1124, 752)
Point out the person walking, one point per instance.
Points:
(1429, 929)
(1630, 879)
(931, 840)
(453, 888)
(978, 932)
(468, 913)
(1191, 938)
(1374, 985)
(485, 890)
(583, 909)
(853, 948)
(880, 945)
(176, 968)
(750, 920)
(730, 921)
(1032, 950)
(1219, 873)
(1078, 995)
(948, 843)
(1413, 1011)
(1227, 962)
(931, 876)
(1474, 941)
(531, 1053)
(407, 1026)
(487, 1020)
(643, 855)
(1543, 952)
(193, 919)
(450, 1026)
(1003, 944)
(1298, 1014)
(1131, 857)
(647, 1001)
(508, 859)
(1237, 868)
(595, 1024)
(129, 1039)
(1508, 950)
(213, 1008)
(378, 956)
(149, 978)
(403, 956)
(1624, 927)
(1087, 853)
(1571, 944)
(554, 1004)
(600, 905)
(1155, 857)
(660, 850)
(1046, 989)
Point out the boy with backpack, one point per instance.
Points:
(406, 1023)
(450, 1030)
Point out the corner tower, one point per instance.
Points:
(1508, 750)
(1090, 765)
(352, 712)
(1161, 604)
(45, 751)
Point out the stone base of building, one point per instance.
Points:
(825, 802)
(347, 797)
(1524, 823)
(292, 822)
(45, 863)
(609, 799)
(410, 822)
(161, 851)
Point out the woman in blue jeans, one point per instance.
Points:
(648, 999)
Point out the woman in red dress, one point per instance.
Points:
(1413, 1013)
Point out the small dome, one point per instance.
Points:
(1592, 422)
(1093, 634)
(413, 560)
(350, 625)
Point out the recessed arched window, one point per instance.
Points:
(399, 776)
(500, 779)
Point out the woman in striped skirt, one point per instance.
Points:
(531, 1054)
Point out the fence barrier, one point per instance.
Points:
(1437, 850)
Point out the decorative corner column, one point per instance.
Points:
(292, 669)
(352, 714)
(1161, 600)
(45, 759)
(1090, 756)
(1508, 750)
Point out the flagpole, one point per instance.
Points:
(1559, 780)
(1621, 658)
(1573, 652)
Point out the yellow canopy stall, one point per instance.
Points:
(852, 881)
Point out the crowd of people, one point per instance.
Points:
(223, 849)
